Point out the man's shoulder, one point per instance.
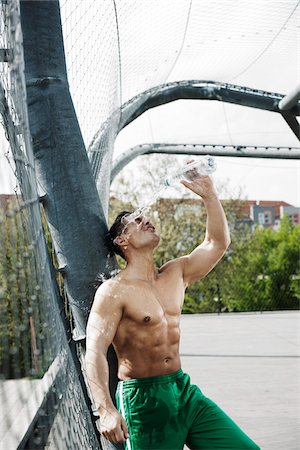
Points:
(107, 287)
(112, 287)
(108, 296)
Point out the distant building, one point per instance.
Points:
(263, 215)
(268, 213)
(292, 212)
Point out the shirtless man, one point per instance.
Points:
(138, 311)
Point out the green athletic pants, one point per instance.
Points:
(167, 412)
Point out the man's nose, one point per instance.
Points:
(146, 221)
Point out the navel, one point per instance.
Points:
(147, 319)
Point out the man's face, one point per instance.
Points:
(140, 231)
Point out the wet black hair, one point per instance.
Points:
(116, 230)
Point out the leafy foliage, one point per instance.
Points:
(22, 300)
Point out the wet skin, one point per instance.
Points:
(138, 311)
(147, 339)
(145, 313)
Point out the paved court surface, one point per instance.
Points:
(249, 364)
(19, 401)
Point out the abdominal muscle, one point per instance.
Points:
(148, 350)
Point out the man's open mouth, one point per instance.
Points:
(152, 229)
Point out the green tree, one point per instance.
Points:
(24, 350)
(284, 266)
(244, 286)
(263, 269)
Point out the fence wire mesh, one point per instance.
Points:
(142, 44)
(39, 386)
(113, 47)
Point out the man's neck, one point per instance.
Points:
(141, 267)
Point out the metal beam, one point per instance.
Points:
(203, 149)
(56, 137)
(201, 90)
(292, 123)
(286, 106)
(290, 100)
(188, 89)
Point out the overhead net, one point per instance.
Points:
(39, 385)
(141, 45)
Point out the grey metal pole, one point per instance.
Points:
(190, 89)
(247, 151)
(290, 100)
(69, 194)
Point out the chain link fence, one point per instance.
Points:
(39, 386)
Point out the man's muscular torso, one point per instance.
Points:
(139, 310)
(147, 338)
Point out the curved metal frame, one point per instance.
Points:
(200, 90)
(203, 90)
(202, 149)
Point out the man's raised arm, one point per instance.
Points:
(102, 325)
(217, 239)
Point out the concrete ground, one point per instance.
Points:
(19, 400)
(249, 364)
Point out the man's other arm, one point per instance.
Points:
(217, 239)
(102, 325)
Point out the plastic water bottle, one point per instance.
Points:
(195, 169)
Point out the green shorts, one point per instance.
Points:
(167, 412)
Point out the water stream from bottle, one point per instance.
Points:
(191, 171)
(145, 210)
